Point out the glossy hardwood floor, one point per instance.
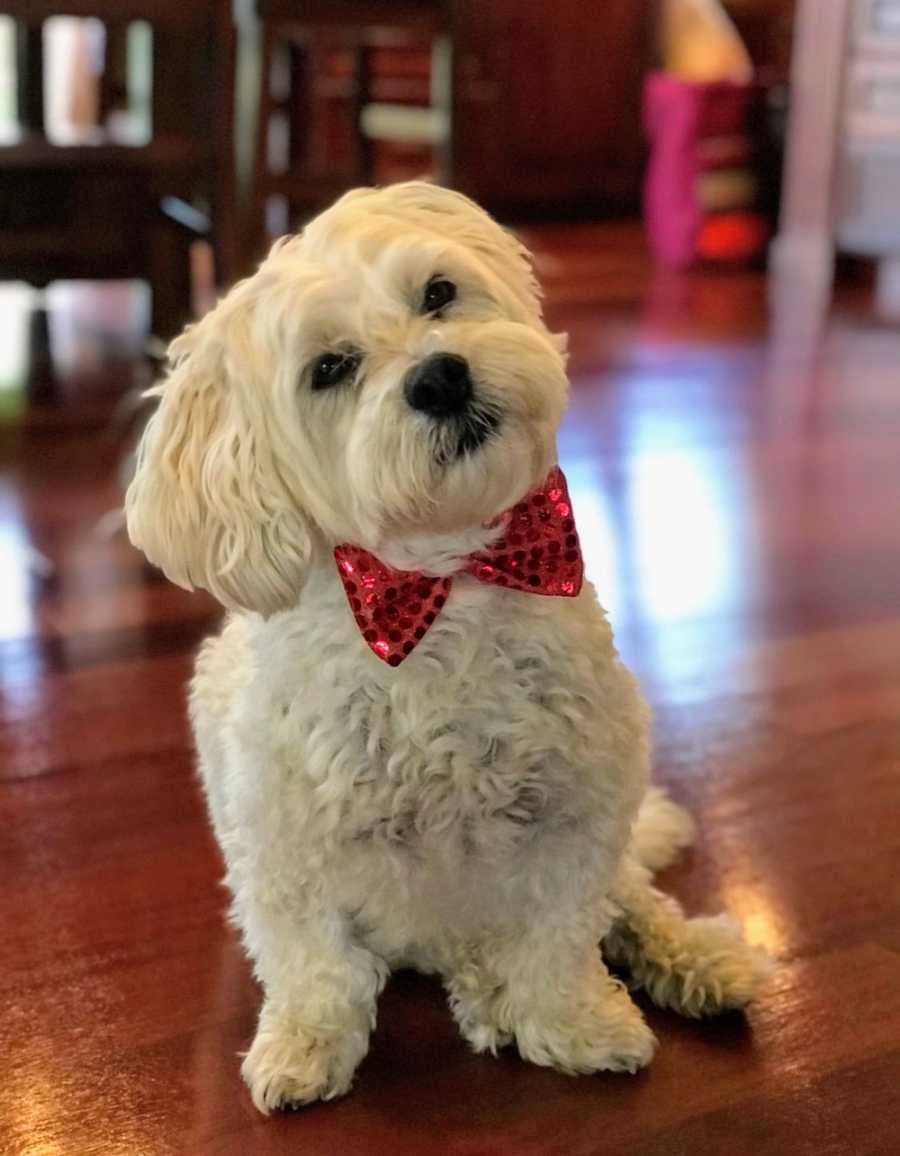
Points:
(738, 494)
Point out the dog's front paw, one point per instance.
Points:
(605, 1033)
(288, 1065)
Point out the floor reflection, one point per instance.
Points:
(19, 567)
(666, 496)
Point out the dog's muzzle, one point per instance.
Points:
(441, 388)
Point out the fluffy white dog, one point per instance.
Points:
(480, 810)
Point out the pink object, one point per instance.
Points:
(678, 115)
(538, 553)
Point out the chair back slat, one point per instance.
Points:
(30, 77)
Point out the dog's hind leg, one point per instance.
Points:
(662, 830)
(697, 967)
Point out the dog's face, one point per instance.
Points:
(386, 373)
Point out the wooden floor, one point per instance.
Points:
(739, 497)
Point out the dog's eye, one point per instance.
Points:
(333, 368)
(439, 292)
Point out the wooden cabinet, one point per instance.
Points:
(547, 101)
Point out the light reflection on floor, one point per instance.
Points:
(667, 516)
(16, 573)
(16, 301)
(600, 541)
(684, 512)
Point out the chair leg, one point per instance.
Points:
(299, 105)
(442, 91)
(362, 152)
(42, 382)
(30, 77)
(170, 278)
(257, 225)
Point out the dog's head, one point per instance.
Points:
(386, 373)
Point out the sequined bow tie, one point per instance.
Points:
(537, 553)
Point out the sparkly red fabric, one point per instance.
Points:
(538, 552)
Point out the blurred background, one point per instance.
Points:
(133, 130)
(690, 175)
(712, 194)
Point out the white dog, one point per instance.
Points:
(385, 385)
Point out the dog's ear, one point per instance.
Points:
(208, 503)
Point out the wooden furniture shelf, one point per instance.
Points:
(98, 210)
(33, 151)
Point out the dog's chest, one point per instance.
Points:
(482, 771)
(480, 742)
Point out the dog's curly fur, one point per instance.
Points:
(482, 811)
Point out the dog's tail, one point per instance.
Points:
(694, 966)
(661, 831)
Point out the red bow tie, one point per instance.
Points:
(537, 553)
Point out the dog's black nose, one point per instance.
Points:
(440, 386)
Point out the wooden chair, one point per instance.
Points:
(542, 100)
(119, 210)
(302, 33)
